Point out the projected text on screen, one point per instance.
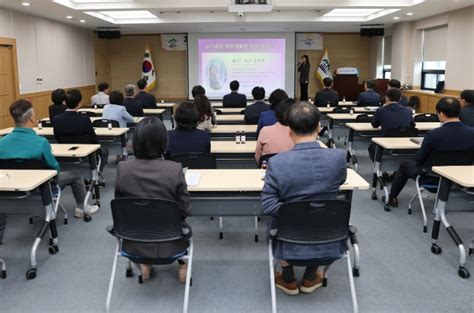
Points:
(253, 62)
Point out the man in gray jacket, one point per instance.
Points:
(308, 172)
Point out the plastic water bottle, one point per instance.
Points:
(329, 104)
(109, 125)
(344, 99)
(242, 137)
(95, 106)
(237, 137)
(351, 111)
(40, 125)
(162, 101)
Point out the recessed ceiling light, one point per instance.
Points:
(25, 4)
(133, 14)
(351, 12)
(396, 18)
(82, 21)
(69, 17)
(409, 14)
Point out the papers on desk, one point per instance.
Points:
(192, 179)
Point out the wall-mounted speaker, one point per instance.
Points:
(108, 34)
(371, 30)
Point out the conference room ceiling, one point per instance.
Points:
(151, 16)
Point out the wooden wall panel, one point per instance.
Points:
(344, 50)
(102, 60)
(428, 99)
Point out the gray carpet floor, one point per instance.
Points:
(398, 271)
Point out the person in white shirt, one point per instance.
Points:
(116, 111)
(102, 97)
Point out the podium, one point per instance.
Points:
(347, 86)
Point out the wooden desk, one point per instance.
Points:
(218, 104)
(340, 119)
(228, 131)
(461, 175)
(230, 119)
(136, 119)
(356, 110)
(395, 143)
(100, 111)
(231, 110)
(26, 181)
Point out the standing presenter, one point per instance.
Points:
(303, 69)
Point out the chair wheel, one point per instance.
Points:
(65, 221)
(211, 218)
(259, 218)
(471, 251)
(386, 207)
(409, 213)
(191, 281)
(87, 218)
(31, 274)
(30, 220)
(374, 196)
(140, 279)
(221, 235)
(435, 249)
(425, 229)
(4, 274)
(463, 272)
(51, 250)
(355, 272)
(129, 272)
(256, 238)
(325, 282)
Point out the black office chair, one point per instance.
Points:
(218, 111)
(195, 160)
(429, 181)
(31, 164)
(341, 110)
(314, 223)
(46, 123)
(364, 118)
(243, 112)
(87, 113)
(251, 120)
(265, 157)
(402, 132)
(427, 117)
(104, 123)
(147, 221)
(413, 102)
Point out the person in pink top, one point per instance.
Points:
(275, 138)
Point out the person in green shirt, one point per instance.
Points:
(24, 143)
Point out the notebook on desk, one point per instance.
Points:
(418, 141)
(192, 179)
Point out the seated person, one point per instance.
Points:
(453, 135)
(133, 107)
(391, 115)
(102, 97)
(24, 143)
(276, 138)
(116, 111)
(234, 99)
(467, 104)
(198, 90)
(57, 97)
(327, 95)
(252, 112)
(268, 118)
(72, 127)
(395, 83)
(305, 172)
(186, 138)
(147, 99)
(369, 98)
(207, 117)
(150, 176)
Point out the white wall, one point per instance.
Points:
(62, 55)
(407, 49)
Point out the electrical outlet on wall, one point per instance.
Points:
(39, 80)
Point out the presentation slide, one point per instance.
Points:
(253, 59)
(253, 62)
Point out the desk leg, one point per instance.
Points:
(49, 223)
(93, 187)
(440, 216)
(350, 151)
(123, 140)
(330, 137)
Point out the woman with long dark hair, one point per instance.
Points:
(303, 69)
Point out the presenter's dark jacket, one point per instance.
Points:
(133, 107)
(252, 112)
(303, 69)
(451, 136)
(148, 100)
(72, 127)
(369, 98)
(56, 109)
(157, 178)
(467, 115)
(234, 100)
(392, 115)
(326, 95)
(307, 172)
(267, 118)
(188, 141)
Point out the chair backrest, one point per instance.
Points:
(46, 123)
(426, 118)
(314, 222)
(364, 118)
(414, 102)
(449, 158)
(401, 132)
(87, 113)
(22, 164)
(195, 160)
(146, 219)
(243, 112)
(252, 119)
(104, 123)
(265, 157)
(341, 110)
(218, 111)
